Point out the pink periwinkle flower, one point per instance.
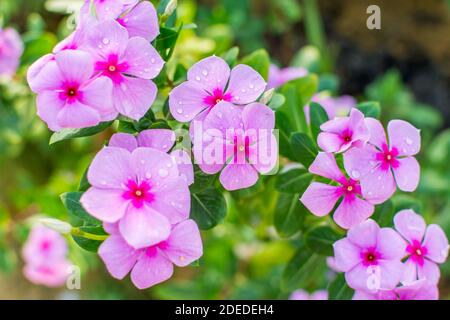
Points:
(371, 257)
(153, 264)
(340, 134)
(378, 162)
(68, 96)
(45, 259)
(239, 141)
(108, 9)
(303, 295)
(320, 198)
(141, 190)
(278, 77)
(426, 247)
(210, 82)
(160, 139)
(11, 49)
(417, 290)
(130, 63)
(334, 106)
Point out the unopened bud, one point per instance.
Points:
(267, 96)
(57, 225)
(170, 8)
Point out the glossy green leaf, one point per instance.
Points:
(303, 148)
(370, 109)
(89, 244)
(71, 201)
(339, 290)
(289, 214)
(293, 181)
(321, 239)
(66, 134)
(208, 208)
(318, 116)
(258, 60)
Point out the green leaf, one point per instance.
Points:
(303, 148)
(66, 134)
(339, 290)
(166, 40)
(89, 244)
(320, 240)
(208, 208)
(201, 180)
(299, 270)
(289, 214)
(283, 124)
(384, 214)
(258, 60)
(370, 109)
(277, 101)
(126, 127)
(71, 200)
(84, 183)
(318, 116)
(293, 181)
(403, 201)
(231, 56)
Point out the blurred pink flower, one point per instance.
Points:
(44, 254)
(427, 246)
(371, 257)
(378, 162)
(142, 190)
(160, 139)
(417, 290)
(207, 86)
(242, 141)
(334, 106)
(130, 63)
(339, 134)
(11, 49)
(278, 77)
(152, 264)
(303, 295)
(320, 198)
(68, 97)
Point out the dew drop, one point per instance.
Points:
(205, 73)
(148, 175)
(152, 60)
(408, 141)
(163, 172)
(105, 41)
(180, 111)
(252, 86)
(197, 78)
(355, 174)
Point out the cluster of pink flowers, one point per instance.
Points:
(11, 49)
(45, 256)
(376, 260)
(232, 132)
(104, 68)
(301, 294)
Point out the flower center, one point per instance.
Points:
(388, 158)
(417, 252)
(112, 68)
(216, 96)
(370, 257)
(350, 188)
(138, 193)
(71, 92)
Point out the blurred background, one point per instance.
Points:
(405, 66)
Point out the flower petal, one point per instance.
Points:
(123, 140)
(118, 256)
(407, 174)
(409, 272)
(142, 21)
(143, 227)
(98, 95)
(404, 136)
(346, 255)
(364, 235)
(154, 165)
(390, 244)
(75, 65)
(320, 198)
(185, 167)
(352, 211)
(133, 97)
(143, 60)
(186, 101)
(258, 116)
(390, 273)
(160, 139)
(410, 225)
(325, 166)
(378, 185)
(77, 115)
(359, 162)
(184, 245)
(107, 37)
(245, 85)
(209, 73)
(429, 271)
(48, 106)
(330, 142)
(44, 74)
(152, 268)
(238, 176)
(377, 133)
(107, 205)
(436, 243)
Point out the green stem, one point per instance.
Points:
(80, 233)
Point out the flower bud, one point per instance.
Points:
(170, 8)
(57, 225)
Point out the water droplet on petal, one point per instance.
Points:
(205, 72)
(408, 141)
(355, 174)
(251, 86)
(105, 41)
(152, 60)
(180, 111)
(163, 172)
(197, 78)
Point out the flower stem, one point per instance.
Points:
(83, 234)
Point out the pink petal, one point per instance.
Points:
(352, 212)
(418, 290)
(185, 167)
(111, 228)
(32, 251)
(364, 235)
(223, 117)
(77, 115)
(50, 79)
(320, 198)
(377, 133)
(110, 168)
(184, 245)
(319, 295)
(75, 65)
(358, 278)
(105, 204)
(186, 101)
(436, 243)
(358, 162)
(404, 136)
(429, 271)
(325, 166)
(330, 142)
(154, 165)
(143, 227)
(346, 255)
(409, 271)
(48, 106)
(143, 60)
(410, 225)
(123, 140)
(209, 74)
(363, 295)
(142, 21)
(264, 154)
(108, 9)
(390, 273)
(336, 125)
(107, 37)
(160, 139)
(378, 186)
(407, 174)
(390, 244)
(98, 95)
(238, 176)
(118, 256)
(299, 295)
(152, 268)
(258, 116)
(173, 200)
(50, 275)
(245, 85)
(133, 97)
